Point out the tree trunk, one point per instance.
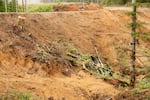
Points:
(5, 5)
(133, 46)
(26, 6)
(16, 5)
(23, 5)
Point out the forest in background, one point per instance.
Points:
(13, 6)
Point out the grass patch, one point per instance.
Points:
(40, 8)
(123, 57)
(145, 36)
(112, 2)
(16, 95)
(144, 83)
(145, 5)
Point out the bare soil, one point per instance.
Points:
(102, 28)
(76, 7)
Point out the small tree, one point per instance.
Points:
(11, 6)
(133, 45)
(5, 5)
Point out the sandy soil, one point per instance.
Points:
(85, 29)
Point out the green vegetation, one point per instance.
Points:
(2, 7)
(15, 95)
(143, 1)
(144, 83)
(40, 8)
(11, 6)
(145, 5)
(140, 94)
(145, 36)
(113, 2)
(69, 55)
(123, 2)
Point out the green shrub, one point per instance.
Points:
(2, 7)
(145, 84)
(112, 2)
(123, 2)
(15, 95)
(11, 6)
(40, 8)
(143, 1)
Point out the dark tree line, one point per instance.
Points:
(12, 6)
(8, 6)
(111, 2)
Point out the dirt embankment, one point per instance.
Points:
(25, 66)
(76, 7)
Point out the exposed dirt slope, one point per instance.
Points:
(104, 29)
(76, 7)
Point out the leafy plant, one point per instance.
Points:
(16, 95)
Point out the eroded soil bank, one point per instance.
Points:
(32, 58)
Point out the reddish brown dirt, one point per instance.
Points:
(85, 29)
(76, 7)
(134, 95)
